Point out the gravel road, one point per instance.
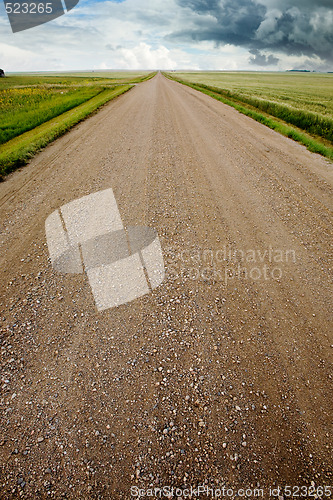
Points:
(221, 376)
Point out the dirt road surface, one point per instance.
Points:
(222, 375)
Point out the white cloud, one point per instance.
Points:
(23, 58)
(142, 56)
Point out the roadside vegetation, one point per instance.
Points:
(23, 109)
(299, 106)
(36, 109)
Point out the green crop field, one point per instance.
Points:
(72, 79)
(23, 109)
(34, 108)
(299, 105)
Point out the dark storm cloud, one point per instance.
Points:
(227, 22)
(299, 27)
(260, 59)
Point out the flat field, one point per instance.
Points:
(25, 108)
(305, 91)
(72, 78)
(31, 101)
(303, 100)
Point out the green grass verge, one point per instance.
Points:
(18, 151)
(252, 110)
(26, 108)
(143, 78)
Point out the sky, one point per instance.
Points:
(255, 35)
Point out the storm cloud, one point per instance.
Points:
(298, 27)
(260, 59)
